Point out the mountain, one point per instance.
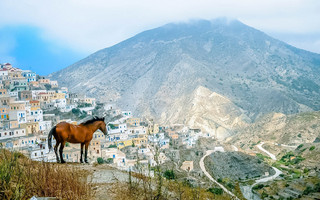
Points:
(159, 72)
(284, 129)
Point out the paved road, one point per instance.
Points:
(284, 145)
(273, 157)
(269, 178)
(210, 177)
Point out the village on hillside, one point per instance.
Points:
(31, 105)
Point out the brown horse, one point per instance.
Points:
(82, 133)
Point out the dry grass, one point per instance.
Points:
(145, 188)
(21, 178)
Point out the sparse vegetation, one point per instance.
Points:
(21, 178)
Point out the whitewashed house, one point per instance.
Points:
(45, 126)
(19, 115)
(35, 116)
(12, 133)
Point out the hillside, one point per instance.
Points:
(284, 129)
(158, 68)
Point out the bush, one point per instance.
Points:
(219, 180)
(109, 160)
(112, 146)
(312, 148)
(308, 190)
(100, 160)
(229, 185)
(217, 191)
(300, 146)
(258, 187)
(169, 174)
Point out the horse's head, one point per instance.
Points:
(103, 127)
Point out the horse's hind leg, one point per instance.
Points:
(56, 150)
(81, 152)
(61, 150)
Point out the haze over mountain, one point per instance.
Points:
(196, 72)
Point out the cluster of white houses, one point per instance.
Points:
(23, 97)
(24, 127)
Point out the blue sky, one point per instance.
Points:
(46, 36)
(24, 47)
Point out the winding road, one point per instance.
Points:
(273, 157)
(269, 178)
(262, 180)
(210, 177)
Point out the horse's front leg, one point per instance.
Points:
(86, 152)
(81, 152)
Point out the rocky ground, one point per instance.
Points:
(102, 177)
(236, 166)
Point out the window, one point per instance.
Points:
(35, 154)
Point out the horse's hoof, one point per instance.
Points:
(63, 161)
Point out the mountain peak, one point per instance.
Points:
(150, 71)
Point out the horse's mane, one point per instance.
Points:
(94, 119)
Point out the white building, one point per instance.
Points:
(40, 152)
(68, 108)
(35, 116)
(13, 94)
(12, 133)
(29, 75)
(138, 130)
(3, 73)
(88, 110)
(59, 103)
(45, 126)
(19, 115)
(35, 93)
(115, 128)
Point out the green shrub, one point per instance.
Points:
(112, 146)
(258, 187)
(300, 146)
(169, 174)
(109, 160)
(312, 148)
(100, 160)
(308, 190)
(229, 185)
(217, 191)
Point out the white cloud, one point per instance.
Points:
(88, 26)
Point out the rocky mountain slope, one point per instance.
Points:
(283, 129)
(155, 72)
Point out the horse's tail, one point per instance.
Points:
(52, 132)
